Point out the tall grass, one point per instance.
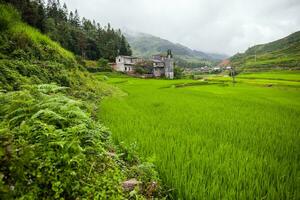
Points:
(41, 39)
(11, 25)
(212, 141)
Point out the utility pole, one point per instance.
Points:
(233, 74)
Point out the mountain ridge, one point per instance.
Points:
(283, 53)
(145, 45)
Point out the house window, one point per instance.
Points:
(119, 59)
(125, 68)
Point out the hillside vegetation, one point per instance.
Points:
(52, 145)
(146, 45)
(283, 53)
(79, 35)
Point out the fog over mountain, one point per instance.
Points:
(207, 25)
(146, 45)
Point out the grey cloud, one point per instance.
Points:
(209, 25)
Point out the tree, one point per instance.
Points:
(65, 9)
(83, 37)
(178, 72)
(123, 47)
(76, 19)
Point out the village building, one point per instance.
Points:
(157, 66)
(126, 63)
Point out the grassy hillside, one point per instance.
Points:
(78, 34)
(146, 45)
(52, 144)
(212, 139)
(283, 53)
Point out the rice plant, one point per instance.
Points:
(212, 141)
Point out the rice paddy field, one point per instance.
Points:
(211, 139)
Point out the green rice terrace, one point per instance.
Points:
(72, 127)
(212, 139)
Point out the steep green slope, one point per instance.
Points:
(146, 45)
(283, 53)
(52, 145)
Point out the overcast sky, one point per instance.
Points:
(219, 26)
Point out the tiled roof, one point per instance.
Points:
(156, 61)
(129, 56)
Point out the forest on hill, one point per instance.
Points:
(82, 36)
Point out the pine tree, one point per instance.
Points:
(76, 19)
(123, 47)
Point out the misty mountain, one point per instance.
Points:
(146, 45)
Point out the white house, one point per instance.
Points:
(126, 63)
(159, 65)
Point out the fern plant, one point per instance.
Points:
(51, 148)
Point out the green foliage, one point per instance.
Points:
(8, 17)
(283, 53)
(55, 149)
(144, 67)
(104, 65)
(211, 139)
(124, 47)
(43, 42)
(15, 73)
(51, 146)
(143, 70)
(20, 41)
(32, 12)
(178, 72)
(37, 46)
(32, 58)
(83, 37)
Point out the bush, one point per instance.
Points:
(104, 65)
(178, 72)
(52, 149)
(143, 70)
(101, 65)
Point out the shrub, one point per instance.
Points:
(52, 149)
(104, 65)
(143, 70)
(178, 72)
(101, 65)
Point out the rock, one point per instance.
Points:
(151, 189)
(111, 154)
(130, 184)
